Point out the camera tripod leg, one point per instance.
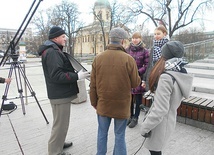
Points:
(19, 87)
(31, 91)
(4, 97)
(15, 65)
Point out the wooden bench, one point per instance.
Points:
(195, 108)
(146, 102)
(209, 112)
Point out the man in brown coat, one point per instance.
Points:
(113, 74)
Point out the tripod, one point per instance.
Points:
(18, 70)
(16, 67)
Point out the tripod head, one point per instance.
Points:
(14, 57)
(17, 37)
(12, 54)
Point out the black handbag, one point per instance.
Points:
(9, 107)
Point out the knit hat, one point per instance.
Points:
(55, 31)
(117, 34)
(172, 49)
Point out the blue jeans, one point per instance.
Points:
(119, 131)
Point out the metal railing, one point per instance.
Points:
(193, 51)
(199, 50)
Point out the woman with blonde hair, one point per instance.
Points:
(160, 38)
(141, 55)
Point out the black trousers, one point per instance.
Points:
(155, 152)
(135, 112)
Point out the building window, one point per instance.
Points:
(101, 38)
(101, 49)
(100, 15)
(107, 15)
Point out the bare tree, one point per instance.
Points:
(102, 23)
(190, 35)
(42, 24)
(173, 14)
(120, 16)
(64, 15)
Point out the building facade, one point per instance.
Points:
(90, 39)
(7, 36)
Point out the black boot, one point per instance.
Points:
(129, 121)
(133, 123)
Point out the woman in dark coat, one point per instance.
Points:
(141, 55)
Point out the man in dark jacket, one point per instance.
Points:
(61, 81)
(5, 80)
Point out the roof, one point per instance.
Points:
(22, 43)
(100, 3)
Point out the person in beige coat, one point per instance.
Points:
(114, 73)
(167, 82)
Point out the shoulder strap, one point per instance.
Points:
(173, 79)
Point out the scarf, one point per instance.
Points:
(176, 64)
(136, 47)
(157, 48)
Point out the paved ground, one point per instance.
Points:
(28, 134)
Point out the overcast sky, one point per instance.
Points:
(12, 12)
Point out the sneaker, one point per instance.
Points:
(67, 145)
(133, 123)
(129, 121)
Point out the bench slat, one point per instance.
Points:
(195, 109)
(190, 105)
(209, 113)
(183, 108)
(202, 111)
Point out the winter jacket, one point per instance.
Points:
(2, 80)
(114, 73)
(141, 56)
(148, 70)
(161, 118)
(60, 77)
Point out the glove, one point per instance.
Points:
(83, 75)
(147, 134)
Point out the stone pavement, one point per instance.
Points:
(28, 134)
